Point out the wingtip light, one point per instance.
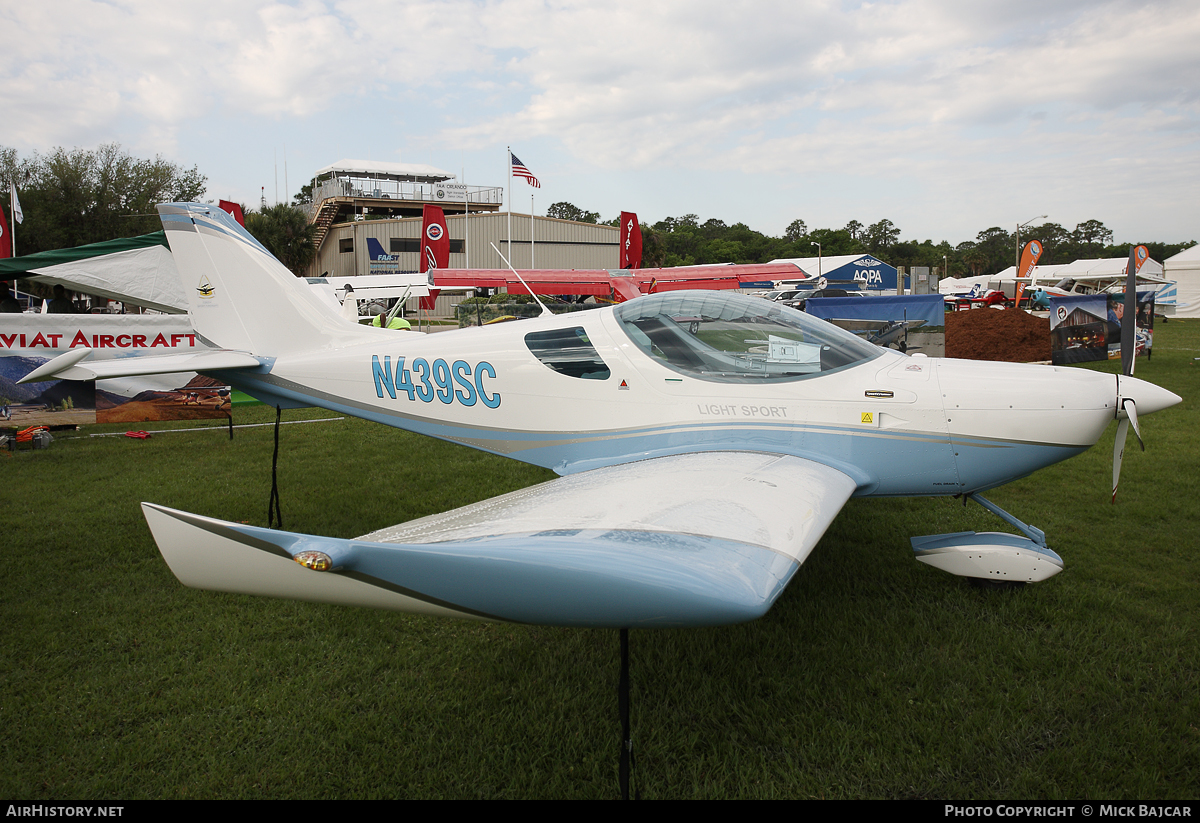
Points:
(315, 560)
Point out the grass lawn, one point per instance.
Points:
(873, 676)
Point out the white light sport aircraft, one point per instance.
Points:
(706, 440)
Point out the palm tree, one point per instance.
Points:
(285, 232)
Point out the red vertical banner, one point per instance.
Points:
(631, 241)
(435, 240)
(234, 209)
(5, 237)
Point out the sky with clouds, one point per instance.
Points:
(942, 116)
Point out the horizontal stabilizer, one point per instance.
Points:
(71, 365)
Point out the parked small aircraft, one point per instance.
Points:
(705, 442)
(883, 333)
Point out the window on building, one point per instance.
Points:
(401, 244)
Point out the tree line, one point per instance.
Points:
(72, 198)
(685, 241)
(80, 196)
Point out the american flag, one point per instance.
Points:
(519, 170)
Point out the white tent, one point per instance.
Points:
(138, 271)
(1184, 269)
(1105, 271)
(143, 277)
(1109, 267)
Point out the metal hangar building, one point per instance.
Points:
(358, 203)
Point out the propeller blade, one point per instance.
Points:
(1131, 411)
(1118, 453)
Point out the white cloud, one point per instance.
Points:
(918, 92)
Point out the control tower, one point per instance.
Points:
(350, 188)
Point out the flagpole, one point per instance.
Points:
(12, 216)
(531, 263)
(466, 221)
(509, 149)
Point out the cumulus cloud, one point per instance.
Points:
(675, 77)
(932, 88)
(75, 65)
(677, 81)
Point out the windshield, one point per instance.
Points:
(730, 338)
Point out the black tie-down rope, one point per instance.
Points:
(274, 510)
(626, 763)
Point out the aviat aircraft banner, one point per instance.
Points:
(29, 340)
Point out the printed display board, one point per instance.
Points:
(1088, 327)
(28, 341)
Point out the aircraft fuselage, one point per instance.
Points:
(898, 425)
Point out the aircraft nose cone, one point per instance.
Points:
(1149, 397)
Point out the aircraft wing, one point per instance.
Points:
(688, 540)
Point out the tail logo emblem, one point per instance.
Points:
(206, 289)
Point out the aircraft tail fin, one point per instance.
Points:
(239, 296)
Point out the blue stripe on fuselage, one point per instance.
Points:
(882, 463)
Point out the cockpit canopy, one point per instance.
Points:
(730, 338)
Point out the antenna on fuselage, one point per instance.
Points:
(545, 310)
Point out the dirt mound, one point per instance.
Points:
(994, 334)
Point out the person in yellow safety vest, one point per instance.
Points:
(394, 323)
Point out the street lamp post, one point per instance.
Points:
(818, 245)
(1017, 257)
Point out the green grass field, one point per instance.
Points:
(873, 676)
